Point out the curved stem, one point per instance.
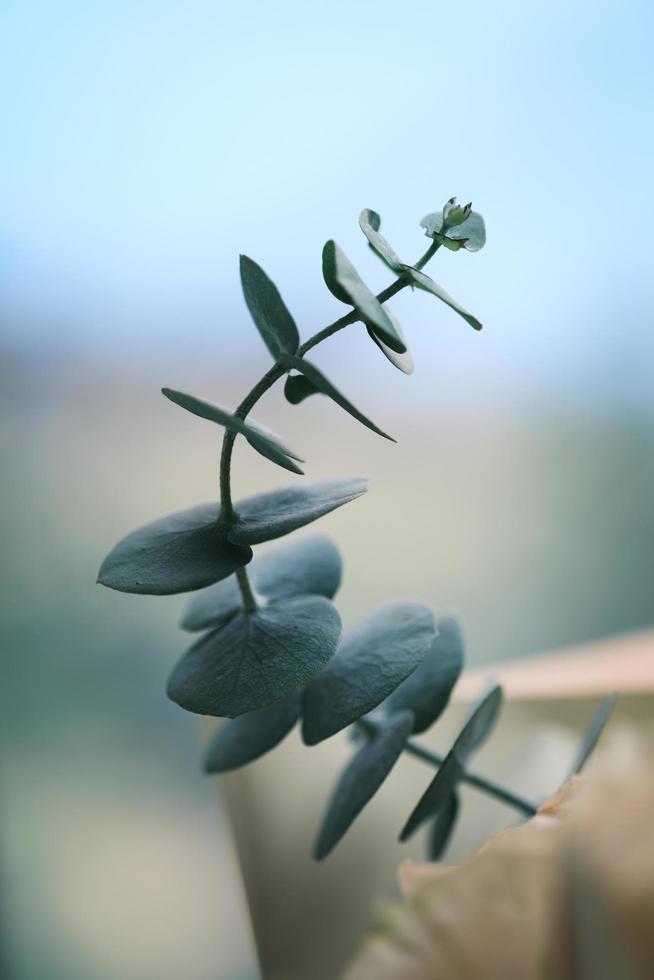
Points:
(278, 370)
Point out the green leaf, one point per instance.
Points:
(310, 566)
(361, 779)
(423, 281)
(427, 690)
(243, 739)
(178, 553)
(372, 660)
(404, 362)
(369, 222)
(264, 442)
(267, 308)
(593, 732)
(442, 828)
(297, 388)
(471, 233)
(473, 734)
(256, 658)
(275, 513)
(344, 282)
(324, 385)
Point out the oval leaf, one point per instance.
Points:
(242, 740)
(372, 660)
(310, 566)
(268, 310)
(475, 731)
(277, 512)
(427, 690)
(423, 281)
(319, 381)
(442, 828)
(471, 233)
(256, 658)
(344, 282)
(178, 553)
(404, 362)
(369, 222)
(264, 442)
(297, 388)
(361, 780)
(593, 732)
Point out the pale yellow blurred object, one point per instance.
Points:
(567, 896)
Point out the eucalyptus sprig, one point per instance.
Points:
(270, 652)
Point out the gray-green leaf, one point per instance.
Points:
(256, 658)
(369, 222)
(442, 828)
(404, 362)
(593, 732)
(264, 442)
(243, 739)
(423, 281)
(297, 388)
(275, 513)
(268, 310)
(324, 385)
(474, 732)
(427, 690)
(344, 282)
(361, 779)
(310, 566)
(372, 660)
(471, 233)
(178, 553)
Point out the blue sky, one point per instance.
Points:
(146, 144)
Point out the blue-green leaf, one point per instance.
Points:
(275, 513)
(369, 222)
(243, 739)
(372, 660)
(297, 388)
(442, 828)
(178, 553)
(427, 690)
(593, 732)
(423, 281)
(310, 566)
(324, 385)
(473, 734)
(361, 779)
(267, 308)
(471, 233)
(404, 362)
(264, 442)
(344, 282)
(256, 658)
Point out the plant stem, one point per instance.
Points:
(278, 370)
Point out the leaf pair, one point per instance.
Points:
(249, 660)
(192, 549)
(447, 228)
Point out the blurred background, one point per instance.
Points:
(145, 146)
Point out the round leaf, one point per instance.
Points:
(275, 513)
(372, 660)
(344, 282)
(324, 385)
(369, 222)
(267, 309)
(297, 388)
(178, 553)
(442, 828)
(264, 442)
(471, 233)
(256, 658)
(243, 739)
(423, 281)
(361, 779)
(404, 362)
(310, 566)
(427, 690)
(473, 734)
